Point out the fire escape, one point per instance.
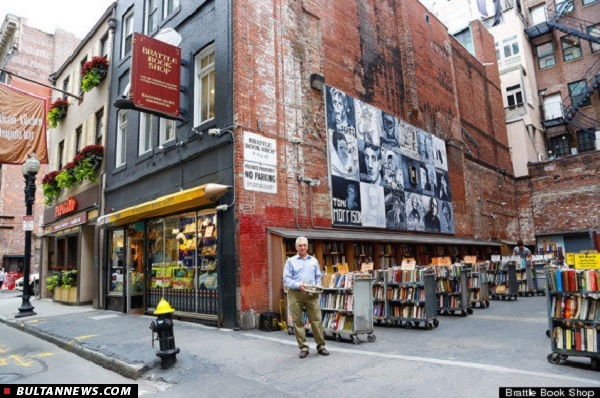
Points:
(565, 116)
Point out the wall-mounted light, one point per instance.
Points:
(317, 81)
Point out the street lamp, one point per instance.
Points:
(29, 169)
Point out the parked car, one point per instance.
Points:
(34, 279)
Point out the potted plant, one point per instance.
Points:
(54, 283)
(93, 72)
(88, 162)
(50, 187)
(57, 112)
(66, 177)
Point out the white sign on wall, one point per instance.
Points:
(260, 163)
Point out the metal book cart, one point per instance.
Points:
(577, 332)
(525, 278)
(502, 281)
(452, 294)
(539, 276)
(477, 282)
(412, 303)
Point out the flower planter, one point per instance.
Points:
(68, 296)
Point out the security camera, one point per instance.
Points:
(214, 132)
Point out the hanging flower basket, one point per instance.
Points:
(93, 72)
(57, 112)
(66, 177)
(87, 162)
(50, 187)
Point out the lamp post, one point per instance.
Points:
(29, 169)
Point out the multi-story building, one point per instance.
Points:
(72, 191)
(27, 56)
(204, 210)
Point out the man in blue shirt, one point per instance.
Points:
(521, 250)
(299, 271)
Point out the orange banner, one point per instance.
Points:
(22, 126)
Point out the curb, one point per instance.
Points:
(129, 370)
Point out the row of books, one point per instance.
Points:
(337, 301)
(338, 321)
(473, 282)
(406, 293)
(338, 281)
(523, 287)
(498, 279)
(361, 249)
(576, 307)
(187, 300)
(398, 275)
(378, 292)
(387, 250)
(452, 271)
(499, 289)
(449, 302)
(447, 286)
(574, 280)
(475, 295)
(333, 247)
(334, 259)
(379, 309)
(576, 338)
(387, 262)
(408, 311)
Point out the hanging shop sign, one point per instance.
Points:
(22, 126)
(155, 76)
(260, 163)
(67, 207)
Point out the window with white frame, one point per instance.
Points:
(169, 7)
(59, 155)
(146, 132)
(571, 48)
(127, 34)
(595, 32)
(121, 138)
(151, 16)
(204, 99)
(545, 54)
(167, 131)
(511, 46)
(65, 87)
(514, 95)
(104, 47)
(538, 14)
(99, 133)
(78, 139)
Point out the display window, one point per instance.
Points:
(117, 262)
(182, 262)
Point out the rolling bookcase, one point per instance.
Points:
(410, 298)
(379, 295)
(347, 306)
(574, 314)
(502, 281)
(478, 286)
(524, 277)
(452, 294)
(538, 266)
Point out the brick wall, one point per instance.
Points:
(393, 55)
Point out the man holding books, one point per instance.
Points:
(300, 274)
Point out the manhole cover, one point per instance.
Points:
(8, 377)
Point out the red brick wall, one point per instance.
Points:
(388, 54)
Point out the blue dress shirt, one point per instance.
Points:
(300, 270)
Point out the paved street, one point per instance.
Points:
(503, 345)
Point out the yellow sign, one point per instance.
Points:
(587, 261)
(342, 268)
(570, 258)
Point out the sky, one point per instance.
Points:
(74, 16)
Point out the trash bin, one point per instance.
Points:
(539, 274)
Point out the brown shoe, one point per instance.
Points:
(324, 352)
(304, 354)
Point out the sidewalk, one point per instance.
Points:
(503, 345)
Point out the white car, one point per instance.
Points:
(34, 279)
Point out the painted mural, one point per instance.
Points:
(384, 172)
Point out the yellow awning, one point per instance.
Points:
(168, 204)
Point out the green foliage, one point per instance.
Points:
(86, 169)
(55, 280)
(69, 278)
(91, 79)
(57, 112)
(51, 192)
(65, 179)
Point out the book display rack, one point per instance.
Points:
(452, 294)
(379, 295)
(410, 298)
(502, 281)
(524, 275)
(478, 286)
(574, 314)
(538, 265)
(347, 306)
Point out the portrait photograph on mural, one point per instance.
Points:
(385, 172)
(346, 201)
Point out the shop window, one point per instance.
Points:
(545, 55)
(571, 48)
(585, 140)
(204, 100)
(577, 92)
(595, 32)
(117, 261)
(135, 257)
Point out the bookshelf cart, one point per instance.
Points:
(347, 306)
(452, 294)
(379, 296)
(478, 286)
(524, 278)
(502, 281)
(538, 267)
(410, 298)
(574, 314)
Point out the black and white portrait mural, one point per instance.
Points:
(385, 173)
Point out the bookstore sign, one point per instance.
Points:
(260, 163)
(587, 260)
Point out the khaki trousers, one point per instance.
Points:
(299, 300)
